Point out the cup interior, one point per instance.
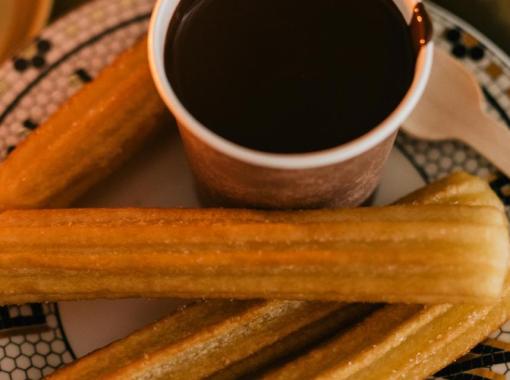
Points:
(162, 16)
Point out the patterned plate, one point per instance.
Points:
(36, 339)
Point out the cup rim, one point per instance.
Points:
(160, 20)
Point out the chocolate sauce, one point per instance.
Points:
(290, 76)
(421, 27)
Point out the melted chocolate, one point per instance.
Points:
(421, 27)
(291, 76)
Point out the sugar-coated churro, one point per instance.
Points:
(400, 342)
(126, 358)
(295, 344)
(87, 138)
(458, 188)
(201, 339)
(425, 254)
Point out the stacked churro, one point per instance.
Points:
(418, 254)
(400, 342)
(204, 338)
(389, 343)
(87, 138)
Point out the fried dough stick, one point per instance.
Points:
(87, 138)
(411, 254)
(400, 342)
(203, 338)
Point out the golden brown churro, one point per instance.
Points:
(458, 188)
(294, 344)
(87, 138)
(400, 342)
(426, 254)
(144, 354)
(202, 339)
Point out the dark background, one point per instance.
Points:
(492, 17)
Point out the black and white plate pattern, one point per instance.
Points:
(36, 339)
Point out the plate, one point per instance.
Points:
(21, 20)
(36, 339)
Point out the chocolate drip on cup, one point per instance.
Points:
(421, 27)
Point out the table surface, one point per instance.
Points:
(492, 17)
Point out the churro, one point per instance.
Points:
(415, 254)
(295, 344)
(400, 342)
(202, 339)
(87, 138)
(458, 188)
(144, 354)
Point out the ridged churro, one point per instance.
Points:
(202, 339)
(295, 344)
(416, 254)
(400, 342)
(87, 138)
(144, 354)
(458, 188)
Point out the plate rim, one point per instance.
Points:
(475, 32)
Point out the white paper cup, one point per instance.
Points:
(232, 175)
